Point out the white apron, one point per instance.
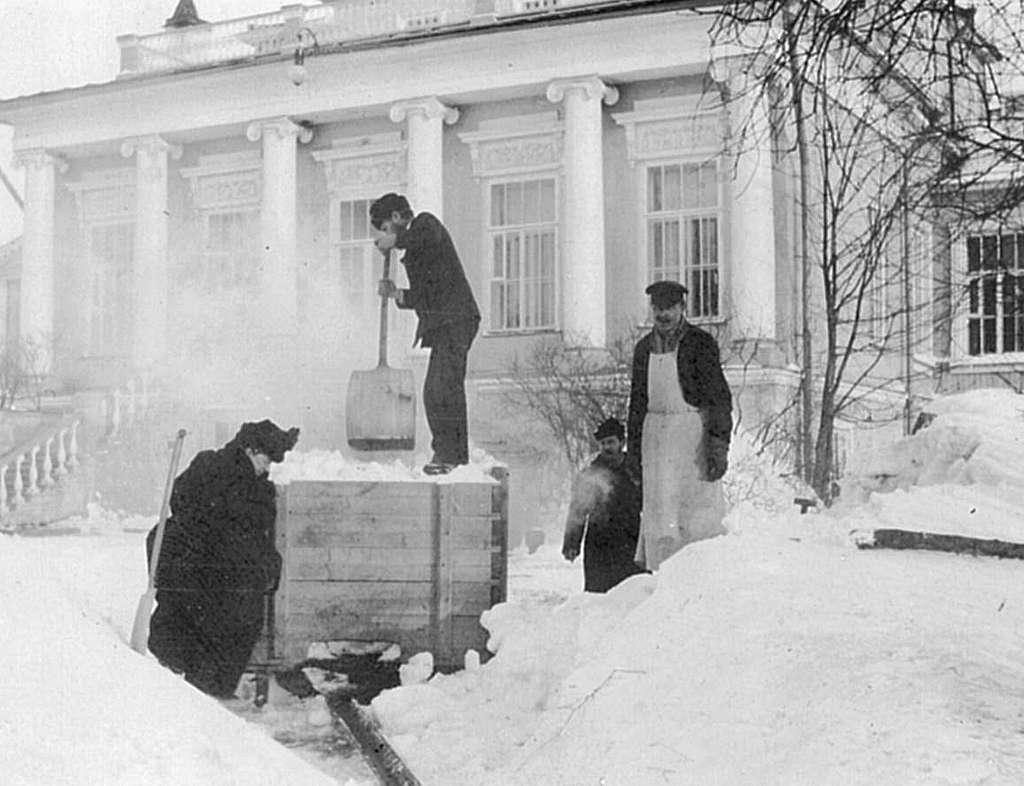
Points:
(679, 507)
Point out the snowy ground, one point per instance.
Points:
(777, 654)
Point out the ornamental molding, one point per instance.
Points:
(430, 108)
(674, 127)
(151, 145)
(279, 129)
(231, 180)
(35, 159)
(516, 146)
(360, 167)
(592, 87)
(105, 195)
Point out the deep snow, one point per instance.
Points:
(777, 654)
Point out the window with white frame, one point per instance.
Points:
(111, 246)
(682, 220)
(231, 250)
(995, 293)
(522, 229)
(353, 277)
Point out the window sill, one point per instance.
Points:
(516, 333)
(1010, 361)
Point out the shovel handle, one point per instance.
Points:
(158, 541)
(382, 349)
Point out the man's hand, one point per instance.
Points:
(386, 288)
(716, 458)
(716, 467)
(570, 553)
(385, 241)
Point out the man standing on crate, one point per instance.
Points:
(680, 425)
(604, 514)
(448, 319)
(217, 561)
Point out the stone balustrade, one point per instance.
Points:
(36, 466)
(339, 22)
(125, 406)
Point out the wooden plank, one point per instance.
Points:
(478, 525)
(362, 530)
(355, 497)
(443, 578)
(469, 499)
(386, 538)
(932, 541)
(499, 536)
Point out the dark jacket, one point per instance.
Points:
(701, 381)
(605, 503)
(438, 289)
(220, 531)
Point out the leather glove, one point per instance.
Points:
(716, 459)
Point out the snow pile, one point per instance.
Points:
(778, 654)
(333, 465)
(79, 707)
(974, 438)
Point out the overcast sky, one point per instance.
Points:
(54, 44)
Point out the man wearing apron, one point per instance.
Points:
(680, 424)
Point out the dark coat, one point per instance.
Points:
(220, 531)
(606, 507)
(701, 381)
(438, 289)
(217, 563)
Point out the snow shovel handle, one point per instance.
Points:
(382, 349)
(158, 541)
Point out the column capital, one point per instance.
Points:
(279, 127)
(430, 108)
(592, 87)
(151, 144)
(37, 158)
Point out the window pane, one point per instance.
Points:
(973, 254)
(514, 196)
(974, 337)
(708, 185)
(673, 184)
(989, 252)
(531, 202)
(547, 200)
(653, 189)
(497, 206)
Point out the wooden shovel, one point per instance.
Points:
(140, 629)
(380, 408)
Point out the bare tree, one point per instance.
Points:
(886, 109)
(571, 388)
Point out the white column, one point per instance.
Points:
(149, 265)
(37, 264)
(582, 219)
(752, 212)
(278, 219)
(424, 119)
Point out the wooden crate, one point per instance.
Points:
(410, 562)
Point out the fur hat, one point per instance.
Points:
(265, 437)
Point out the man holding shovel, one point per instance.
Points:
(448, 319)
(217, 559)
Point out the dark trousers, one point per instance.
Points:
(444, 391)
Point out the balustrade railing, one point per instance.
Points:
(37, 465)
(124, 406)
(338, 22)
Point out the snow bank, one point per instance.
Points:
(78, 706)
(777, 654)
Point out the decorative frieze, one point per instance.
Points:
(522, 145)
(674, 127)
(229, 180)
(356, 167)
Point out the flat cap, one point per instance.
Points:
(666, 293)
